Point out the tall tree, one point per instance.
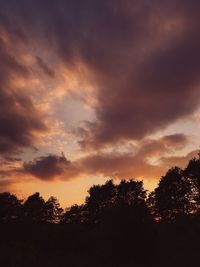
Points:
(174, 196)
(131, 201)
(34, 209)
(101, 199)
(131, 192)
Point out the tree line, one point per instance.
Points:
(118, 225)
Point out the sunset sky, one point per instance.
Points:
(96, 89)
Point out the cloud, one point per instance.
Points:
(20, 121)
(47, 167)
(175, 140)
(121, 166)
(180, 161)
(46, 69)
(136, 164)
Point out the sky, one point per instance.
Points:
(92, 90)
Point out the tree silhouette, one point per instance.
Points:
(52, 210)
(75, 215)
(100, 200)
(192, 171)
(193, 168)
(174, 196)
(131, 200)
(130, 192)
(10, 207)
(34, 209)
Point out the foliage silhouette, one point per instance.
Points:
(34, 209)
(193, 172)
(175, 196)
(75, 215)
(52, 210)
(10, 208)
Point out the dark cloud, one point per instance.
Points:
(47, 167)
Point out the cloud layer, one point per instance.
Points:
(143, 56)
